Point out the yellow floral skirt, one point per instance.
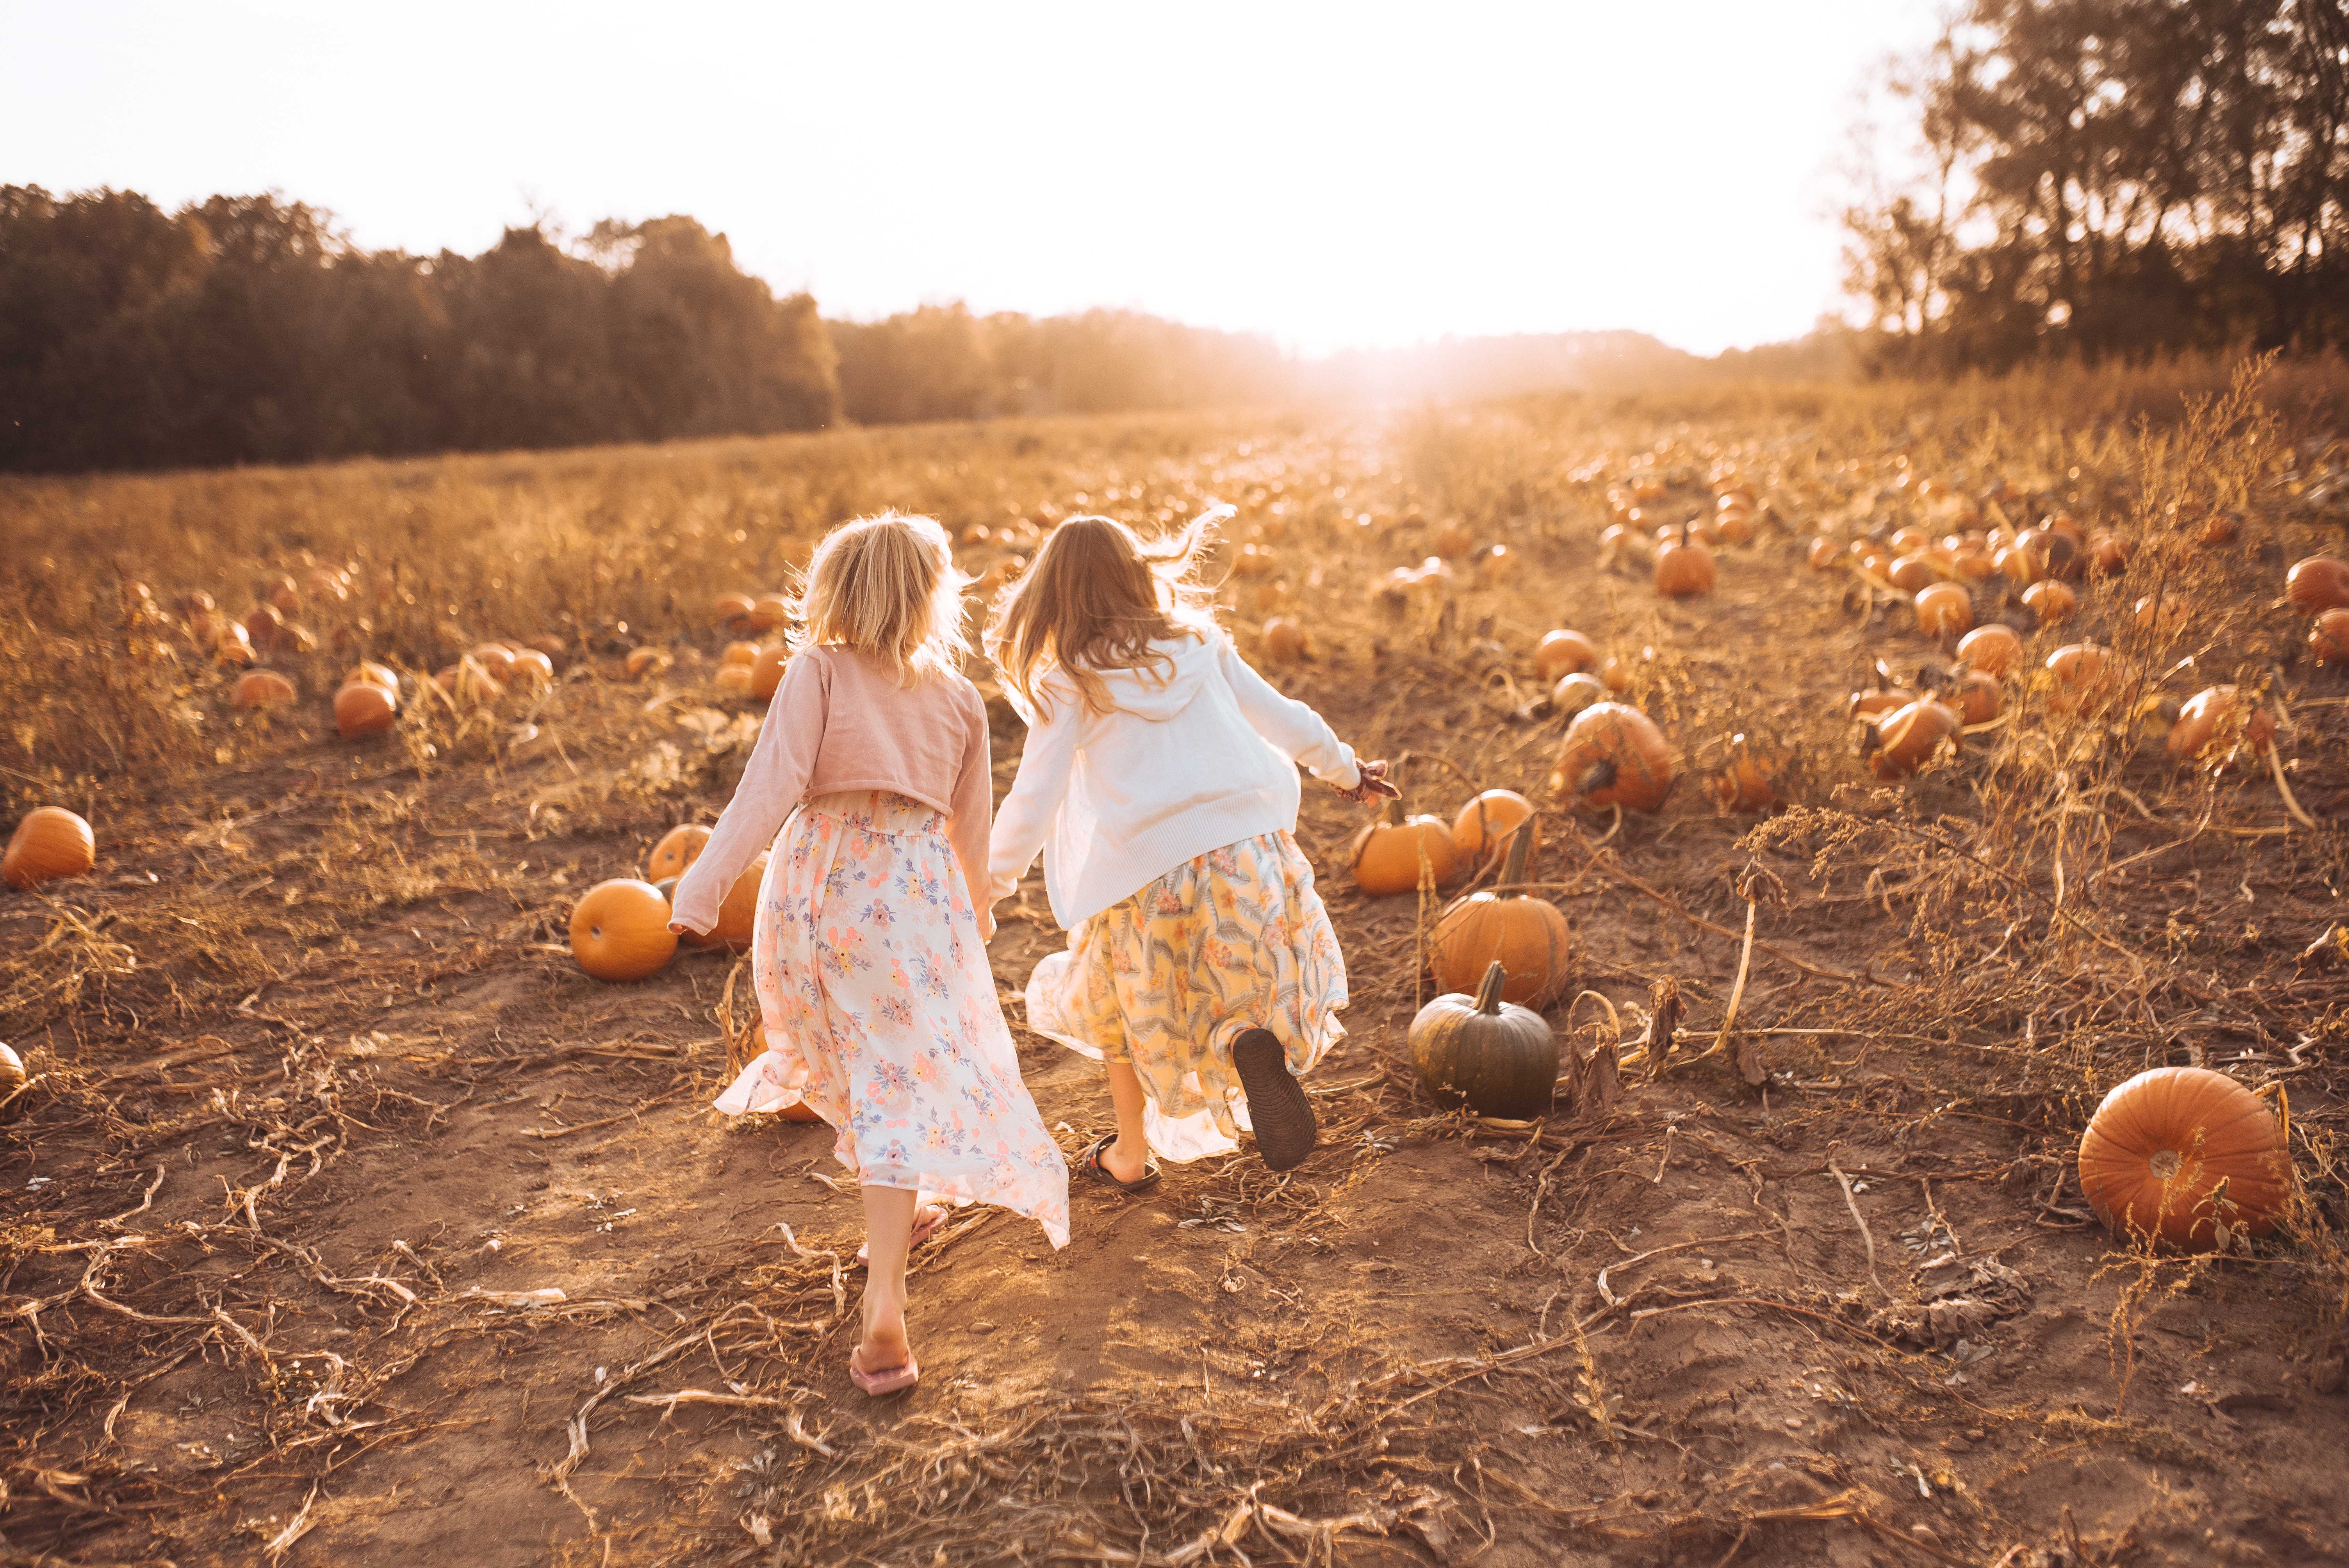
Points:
(1232, 940)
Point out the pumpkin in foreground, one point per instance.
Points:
(49, 844)
(737, 914)
(1485, 825)
(675, 854)
(1497, 1057)
(619, 930)
(2179, 1154)
(1505, 925)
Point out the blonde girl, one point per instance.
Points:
(1159, 781)
(869, 945)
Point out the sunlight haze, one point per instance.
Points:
(1332, 176)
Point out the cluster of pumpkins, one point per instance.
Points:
(1682, 561)
(1438, 575)
(2318, 588)
(267, 629)
(619, 929)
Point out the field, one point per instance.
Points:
(348, 1222)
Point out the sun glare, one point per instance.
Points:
(1333, 176)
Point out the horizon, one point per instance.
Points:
(1509, 172)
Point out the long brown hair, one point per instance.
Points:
(1095, 598)
(886, 585)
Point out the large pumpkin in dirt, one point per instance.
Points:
(365, 707)
(1944, 610)
(1498, 1058)
(2176, 1153)
(1386, 854)
(1524, 934)
(619, 930)
(1908, 737)
(736, 914)
(2217, 722)
(2317, 584)
(1613, 755)
(49, 844)
(1994, 649)
(1683, 569)
(1562, 653)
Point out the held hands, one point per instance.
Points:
(1372, 785)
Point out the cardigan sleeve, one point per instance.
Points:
(771, 785)
(1026, 820)
(974, 807)
(1294, 729)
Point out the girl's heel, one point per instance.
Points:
(1277, 1107)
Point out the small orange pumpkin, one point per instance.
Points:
(48, 844)
(734, 611)
(1562, 653)
(383, 676)
(1386, 852)
(497, 658)
(1993, 649)
(1825, 554)
(1944, 610)
(1284, 639)
(1613, 755)
(734, 680)
(2050, 600)
(739, 653)
(1683, 570)
(363, 707)
(2175, 1154)
(1487, 823)
(2108, 554)
(2328, 639)
(619, 930)
(2214, 723)
(1976, 695)
(1908, 737)
(675, 854)
(643, 662)
(1745, 784)
(768, 611)
(2317, 584)
(1911, 574)
(261, 689)
(2086, 678)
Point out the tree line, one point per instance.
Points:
(242, 329)
(2112, 177)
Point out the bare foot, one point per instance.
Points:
(1124, 1165)
(884, 1346)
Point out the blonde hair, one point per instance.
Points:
(887, 586)
(1095, 599)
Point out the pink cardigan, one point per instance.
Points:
(839, 722)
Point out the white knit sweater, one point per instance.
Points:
(1184, 763)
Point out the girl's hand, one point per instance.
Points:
(677, 928)
(1372, 785)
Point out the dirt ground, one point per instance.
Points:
(282, 1266)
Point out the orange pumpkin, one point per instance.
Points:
(1908, 737)
(48, 844)
(675, 854)
(1613, 755)
(1284, 639)
(1971, 566)
(1528, 935)
(1825, 554)
(263, 626)
(2216, 721)
(1745, 784)
(2176, 1154)
(363, 707)
(1976, 695)
(1944, 610)
(2160, 614)
(1736, 528)
(2317, 584)
(768, 611)
(767, 673)
(734, 680)
(533, 669)
(1485, 826)
(1877, 701)
(1911, 574)
(496, 658)
(2108, 553)
(232, 645)
(1387, 852)
(739, 653)
(734, 611)
(2086, 678)
(1683, 570)
(736, 914)
(2050, 600)
(261, 689)
(619, 930)
(1562, 653)
(1993, 649)
(643, 662)
(2328, 640)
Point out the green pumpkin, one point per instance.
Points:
(1499, 1058)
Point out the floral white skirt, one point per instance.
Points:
(880, 1012)
(1166, 980)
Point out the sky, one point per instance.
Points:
(1332, 175)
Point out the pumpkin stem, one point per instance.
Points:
(1513, 868)
(1488, 993)
(1392, 815)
